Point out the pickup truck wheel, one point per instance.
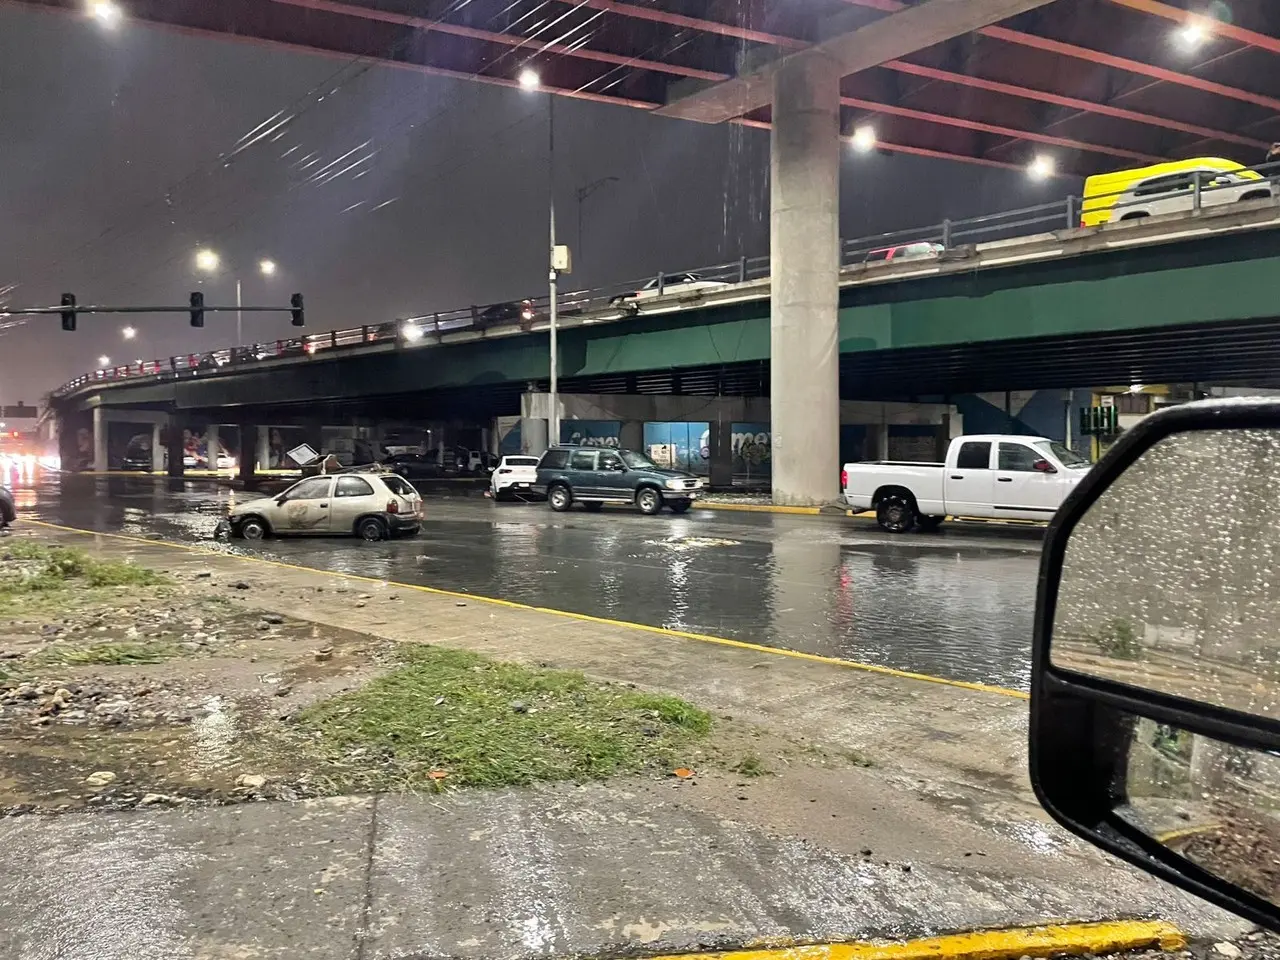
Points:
(559, 498)
(928, 524)
(649, 501)
(896, 514)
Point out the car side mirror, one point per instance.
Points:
(281, 500)
(1044, 466)
(1155, 687)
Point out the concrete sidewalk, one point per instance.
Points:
(940, 833)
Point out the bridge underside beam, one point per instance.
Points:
(883, 40)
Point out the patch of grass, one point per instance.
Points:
(857, 759)
(1118, 639)
(30, 568)
(124, 652)
(454, 718)
(750, 766)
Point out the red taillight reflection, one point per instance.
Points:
(393, 506)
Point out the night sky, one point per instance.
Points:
(110, 180)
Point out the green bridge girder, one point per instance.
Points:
(1224, 279)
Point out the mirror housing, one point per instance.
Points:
(1044, 466)
(1088, 713)
(281, 500)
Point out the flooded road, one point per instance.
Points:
(957, 604)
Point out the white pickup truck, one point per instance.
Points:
(1021, 478)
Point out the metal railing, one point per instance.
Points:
(1187, 193)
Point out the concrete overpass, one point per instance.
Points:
(806, 83)
(1165, 299)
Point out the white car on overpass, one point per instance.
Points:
(672, 283)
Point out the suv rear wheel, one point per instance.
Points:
(649, 500)
(559, 498)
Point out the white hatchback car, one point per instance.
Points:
(513, 476)
(672, 283)
(370, 505)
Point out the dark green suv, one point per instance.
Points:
(594, 476)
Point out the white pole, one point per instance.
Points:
(554, 437)
(239, 320)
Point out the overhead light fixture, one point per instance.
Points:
(128, 333)
(864, 138)
(207, 260)
(529, 79)
(412, 332)
(1191, 34)
(267, 268)
(105, 12)
(104, 361)
(1042, 167)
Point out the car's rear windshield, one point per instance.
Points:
(554, 460)
(522, 461)
(398, 485)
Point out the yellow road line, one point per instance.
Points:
(566, 614)
(1067, 939)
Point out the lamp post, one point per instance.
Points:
(208, 261)
(529, 80)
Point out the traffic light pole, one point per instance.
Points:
(70, 310)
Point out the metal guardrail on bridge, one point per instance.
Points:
(1187, 192)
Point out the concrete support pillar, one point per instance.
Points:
(720, 462)
(157, 448)
(212, 445)
(249, 446)
(942, 439)
(804, 246)
(173, 443)
(263, 447)
(877, 441)
(99, 440)
(533, 435)
(631, 435)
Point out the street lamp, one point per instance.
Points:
(128, 333)
(864, 138)
(105, 12)
(104, 362)
(208, 261)
(530, 80)
(1042, 167)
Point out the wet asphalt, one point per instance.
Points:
(956, 604)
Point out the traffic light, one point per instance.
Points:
(197, 309)
(69, 316)
(295, 303)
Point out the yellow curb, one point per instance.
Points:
(566, 614)
(1068, 939)
(759, 508)
(1170, 835)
